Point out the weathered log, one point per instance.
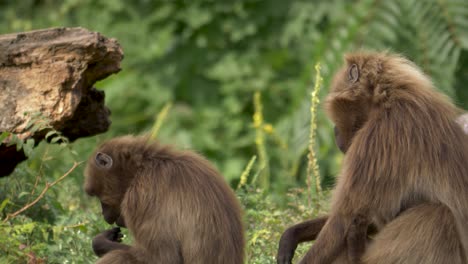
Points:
(52, 72)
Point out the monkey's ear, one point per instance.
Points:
(103, 160)
(353, 73)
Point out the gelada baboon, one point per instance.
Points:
(404, 175)
(175, 204)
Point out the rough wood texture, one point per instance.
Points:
(52, 72)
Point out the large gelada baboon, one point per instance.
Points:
(404, 175)
(175, 204)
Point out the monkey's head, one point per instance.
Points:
(108, 174)
(368, 81)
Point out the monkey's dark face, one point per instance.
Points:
(102, 181)
(112, 214)
(346, 105)
(340, 141)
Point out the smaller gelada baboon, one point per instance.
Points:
(175, 204)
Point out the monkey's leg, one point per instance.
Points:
(305, 231)
(103, 248)
(122, 257)
(426, 233)
(163, 251)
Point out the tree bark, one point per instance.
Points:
(49, 74)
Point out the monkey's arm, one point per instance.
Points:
(107, 241)
(356, 239)
(331, 241)
(305, 231)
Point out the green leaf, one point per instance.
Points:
(15, 140)
(3, 136)
(55, 139)
(28, 147)
(50, 133)
(22, 194)
(4, 204)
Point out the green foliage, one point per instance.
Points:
(55, 229)
(25, 240)
(208, 58)
(266, 221)
(37, 124)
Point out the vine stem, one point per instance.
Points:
(313, 170)
(41, 195)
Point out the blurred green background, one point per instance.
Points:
(208, 58)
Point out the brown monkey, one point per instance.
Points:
(175, 204)
(398, 244)
(405, 170)
(357, 236)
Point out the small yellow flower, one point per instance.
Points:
(268, 128)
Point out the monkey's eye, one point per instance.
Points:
(103, 160)
(353, 73)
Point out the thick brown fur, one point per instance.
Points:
(405, 168)
(175, 204)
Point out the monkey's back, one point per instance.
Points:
(213, 227)
(186, 203)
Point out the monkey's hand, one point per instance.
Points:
(287, 246)
(107, 241)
